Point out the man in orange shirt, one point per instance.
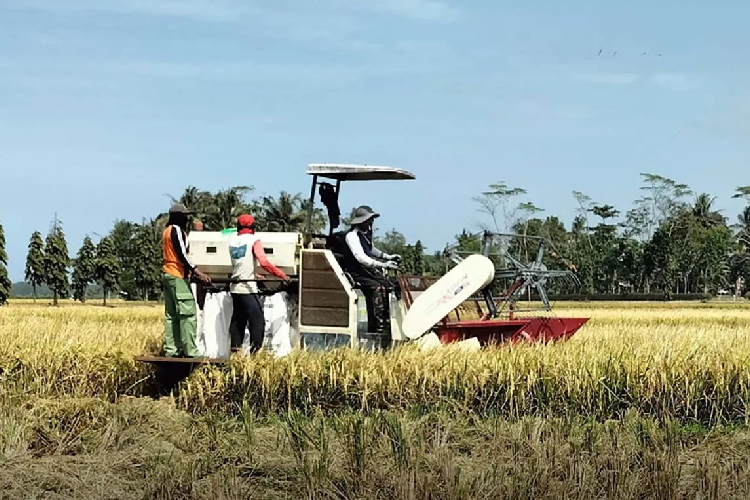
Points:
(180, 322)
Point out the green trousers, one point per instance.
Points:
(180, 320)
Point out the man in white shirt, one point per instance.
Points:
(365, 263)
(245, 249)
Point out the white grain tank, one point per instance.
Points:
(209, 250)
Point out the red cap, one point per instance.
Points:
(245, 220)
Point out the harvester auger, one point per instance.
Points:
(502, 320)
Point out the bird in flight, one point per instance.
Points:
(600, 52)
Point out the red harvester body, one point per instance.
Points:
(538, 329)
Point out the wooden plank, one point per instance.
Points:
(321, 279)
(324, 316)
(325, 298)
(315, 262)
(169, 360)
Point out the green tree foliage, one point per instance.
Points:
(34, 272)
(742, 192)
(226, 206)
(84, 269)
(137, 249)
(122, 239)
(146, 261)
(217, 211)
(56, 262)
(319, 218)
(434, 264)
(665, 242)
(5, 283)
(393, 242)
(663, 198)
(283, 214)
(107, 267)
(137, 246)
(414, 259)
(497, 202)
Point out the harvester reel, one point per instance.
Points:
(522, 275)
(538, 276)
(541, 280)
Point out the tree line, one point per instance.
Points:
(671, 240)
(128, 260)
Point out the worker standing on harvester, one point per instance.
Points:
(245, 249)
(180, 322)
(364, 261)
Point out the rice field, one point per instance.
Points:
(647, 400)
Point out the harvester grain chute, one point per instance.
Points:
(326, 305)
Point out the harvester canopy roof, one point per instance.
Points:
(342, 172)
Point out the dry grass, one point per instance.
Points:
(137, 448)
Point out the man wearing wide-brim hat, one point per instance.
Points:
(180, 314)
(365, 263)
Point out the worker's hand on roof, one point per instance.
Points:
(390, 265)
(395, 257)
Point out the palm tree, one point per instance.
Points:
(702, 211)
(155, 225)
(225, 207)
(743, 227)
(197, 200)
(283, 214)
(319, 218)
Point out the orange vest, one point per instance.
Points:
(172, 264)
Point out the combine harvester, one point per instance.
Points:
(327, 309)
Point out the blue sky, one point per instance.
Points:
(107, 105)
